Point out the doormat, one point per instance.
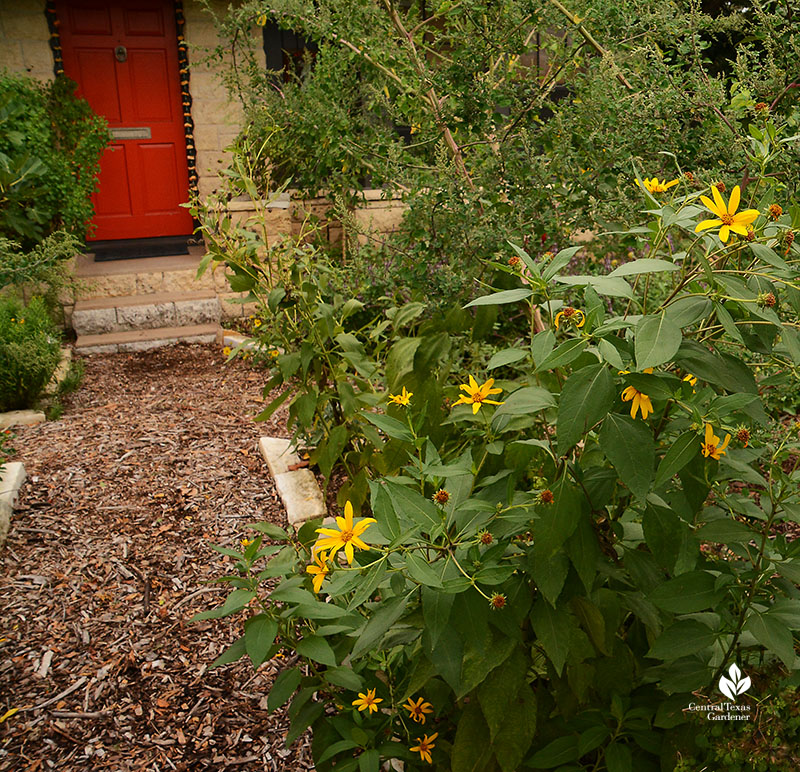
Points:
(130, 249)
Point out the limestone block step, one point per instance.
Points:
(143, 340)
(96, 316)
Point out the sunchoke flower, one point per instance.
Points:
(639, 400)
(418, 708)
(403, 398)
(368, 701)
(319, 569)
(570, 314)
(711, 444)
(346, 537)
(656, 186)
(425, 747)
(728, 218)
(477, 395)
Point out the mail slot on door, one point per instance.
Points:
(131, 132)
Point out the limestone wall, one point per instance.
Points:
(24, 38)
(217, 120)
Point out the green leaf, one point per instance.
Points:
(567, 352)
(524, 401)
(414, 506)
(497, 693)
(618, 758)
(609, 352)
(283, 688)
(680, 453)
(344, 677)
(553, 629)
(725, 531)
(421, 572)
(471, 747)
(369, 761)
(331, 449)
(657, 341)
(514, 738)
(586, 398)
(318, 649)
(259, 635)
(763, 252)
(688, 310)
(689, 592)
(318, 610)
(236, 601)
(506, 357)
(542, 346)
(436, 608)
(233, 653)
(612, 286)
(592, 738)
(629, 446)
(685, 637)
(269, 529)
(384, 616)
(773, 635)
(561, 751)
(559, 261)
(500, 298)
(643, 265)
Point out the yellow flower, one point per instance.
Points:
(274, 353)
(425, 746)
(319, 569)
(727, 216)
(257, 323)
(417, 709)
(571, 314)
(368, 701)
(712, 446)
(477, 395)
(246, 542)
(403, 398)
(639, 400)
(690, 379)
(654, 186)
(226, 351)
(346, 537)
(261, 20)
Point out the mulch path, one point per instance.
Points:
(154, 459)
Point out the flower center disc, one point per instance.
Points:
(727, 219)
(346, 536)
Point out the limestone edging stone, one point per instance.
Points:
(11, 479)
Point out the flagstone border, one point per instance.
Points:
(12, 477)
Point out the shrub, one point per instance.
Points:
(50, 148)
(30, 351)
(550, 567)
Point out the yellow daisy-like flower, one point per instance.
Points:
(425, 747)
(656, 186)
(690, 379)
(728, 218)
(226, 351)
(261, 20)
(274, 353)
(346, 537)
(257, 323)
(319, 569)
(368, 701)
(418, 708)
(711, 444)
(639, 400)
(477, 395)
(403, 398)
(568, 313)
(246, 542)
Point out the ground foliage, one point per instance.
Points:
(560, 574)
(50, 148)
(506, 119)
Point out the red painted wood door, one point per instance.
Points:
(123, 55)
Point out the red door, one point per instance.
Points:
(123, 55)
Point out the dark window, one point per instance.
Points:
(286, 51)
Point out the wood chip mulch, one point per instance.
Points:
(154, 459)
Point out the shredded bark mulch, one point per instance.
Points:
(154, 459)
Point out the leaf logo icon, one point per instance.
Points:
(737, 683)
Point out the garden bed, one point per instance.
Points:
(154, 460)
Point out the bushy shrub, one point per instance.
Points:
(50, 148)
(499, 120)
(546, 570)
(30, 351)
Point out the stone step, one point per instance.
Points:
(143, 340)
(96, 316)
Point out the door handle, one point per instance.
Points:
(121, 53)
